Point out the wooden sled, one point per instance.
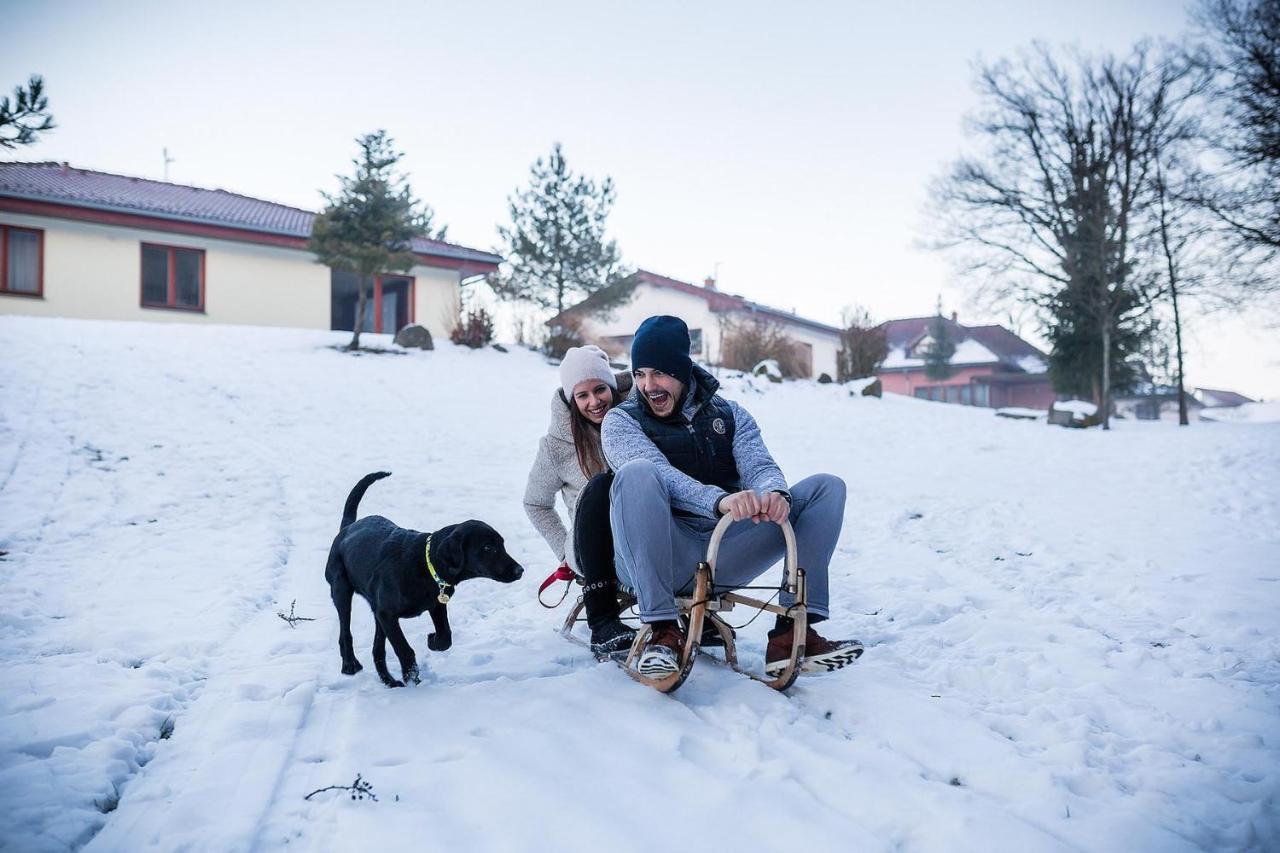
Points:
(704, 605)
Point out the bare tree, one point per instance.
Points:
(1243, 54)
(863, 346)
(747, 341)
(1052, 212)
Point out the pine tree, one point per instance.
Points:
(1075, 346)
(556, 250)
(369, 227)
(937, 357)
(26, 115)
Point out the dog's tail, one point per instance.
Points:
(353, 499)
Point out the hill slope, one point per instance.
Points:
(1071, 635)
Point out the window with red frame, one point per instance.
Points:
(172, 277)
(21, 261)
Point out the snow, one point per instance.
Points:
(1020, 412)
(1081, 409)
(1071, 634)
(968, 351)
(769, 367)
(1032, 364)
(1257, 413)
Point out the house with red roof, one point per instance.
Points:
(81, 243)
(991, 365)
(708, 311)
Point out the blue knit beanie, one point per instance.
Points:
(662, 343)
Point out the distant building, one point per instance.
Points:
(79, 243)
(708, 311)
(991, 366)
(1153, 402)
(1211, 398)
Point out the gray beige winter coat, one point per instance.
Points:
(555, 471)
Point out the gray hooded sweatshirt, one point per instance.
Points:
(555, 471)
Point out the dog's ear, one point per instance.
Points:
(447, 549)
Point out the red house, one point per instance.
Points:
(991, 366)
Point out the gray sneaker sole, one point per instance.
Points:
(655, 665)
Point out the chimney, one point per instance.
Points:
(709, 283)
(955, 317)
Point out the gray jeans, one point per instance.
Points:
(657, 553)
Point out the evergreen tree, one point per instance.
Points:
(26, 115)
(556, 250)
(937, 357)
(1075, 346)
(368, 228)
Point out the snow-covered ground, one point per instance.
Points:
(1258, 413)
(1072, 635)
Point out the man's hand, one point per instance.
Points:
(747, 504)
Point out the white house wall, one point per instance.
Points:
(648, 300)
(94, 271)
(825, 345)
(436, 299)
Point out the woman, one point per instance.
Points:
(570, 462)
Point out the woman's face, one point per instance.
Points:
(593, 398)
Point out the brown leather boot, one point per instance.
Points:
(662, 650)
(820, 654)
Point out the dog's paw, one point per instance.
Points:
(351, 667)
(411, 675)
(439, 644)
(393, 682)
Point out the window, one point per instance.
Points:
(21, 261)
(388, 305)
(695, 342)
(172, 277)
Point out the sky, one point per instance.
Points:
(787, 148)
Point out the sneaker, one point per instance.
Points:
(612, 637)
(711, 638)
(662, 651)
(820, 654)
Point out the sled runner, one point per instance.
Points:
(705, 604)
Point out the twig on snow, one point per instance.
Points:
(359, 790)
(291, 619)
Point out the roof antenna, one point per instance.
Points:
(167, 161)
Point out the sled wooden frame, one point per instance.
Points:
(702, 605)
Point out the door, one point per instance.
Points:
(393, 303)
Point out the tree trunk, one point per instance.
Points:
(360, 306)
(1106, 372)
(1173, 294)
(1177, 332)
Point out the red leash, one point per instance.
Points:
(562, 573)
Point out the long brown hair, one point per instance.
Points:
(586, 437)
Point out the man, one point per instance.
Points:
(684, 456)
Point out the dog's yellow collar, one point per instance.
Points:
(444, 595)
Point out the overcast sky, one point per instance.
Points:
(790, 143)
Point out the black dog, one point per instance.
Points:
(391, 567)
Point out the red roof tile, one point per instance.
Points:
(60, 183)
(1004, 344)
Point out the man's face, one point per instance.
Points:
(660, 391)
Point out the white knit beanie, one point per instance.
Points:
(583, 363)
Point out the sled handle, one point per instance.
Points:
(790, 566)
